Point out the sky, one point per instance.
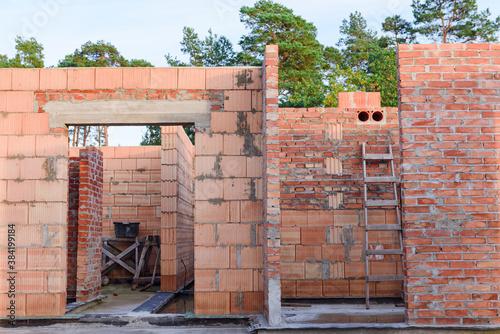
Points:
(149, 29)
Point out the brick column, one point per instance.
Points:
(449, 112)
(89, 255)
(271, 235)
(72, 236)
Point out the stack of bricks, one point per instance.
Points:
(228, 206)
(89, 252)
(177, 211)
(72, 236)
(450, 106)
(33, 193)
(322, 224)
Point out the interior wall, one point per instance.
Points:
(177, 209)
(322, 224)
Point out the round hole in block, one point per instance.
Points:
(363, 116)
(377, 116)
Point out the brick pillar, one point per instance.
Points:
(271, 178)
(449, 111)
(89, 255)
(72, 236)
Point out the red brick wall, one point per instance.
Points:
(322, 224)
(89, 253)
(449, 102)
(72, 240)
(178, 209)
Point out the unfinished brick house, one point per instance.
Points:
(277, 206)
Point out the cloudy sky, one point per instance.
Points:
(150, 29)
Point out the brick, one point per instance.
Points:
(234, 234)
(320, 218)
(191, 78)
(235, 280)
(136, 78)
(47, 304)
(233, 166)
(5, 79)
(26, 79)
(224, 122)
(237, 189)
(81, 78)
(309, 288)
(292, 270)
(208, 144)
(205, 280)
(237, 100)
(19, 101)
(223, 78)
(53, 79)
(312, 235)
(291, 218)
(211, 257)
(335, 288)
(164, 78)
(108, 78)
(212, 303)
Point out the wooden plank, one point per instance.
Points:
(385, 202)
(384, 252)
(117, 260)
(380, 278)
(380, 179)
(388, 227)
(384, 156)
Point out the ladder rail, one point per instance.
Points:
(380, 203)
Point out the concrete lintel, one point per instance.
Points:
(133, 112)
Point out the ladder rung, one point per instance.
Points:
(387, 227)
(382, 202)
(384, 252)
(379, 278)
(380, 179)
(385, 156)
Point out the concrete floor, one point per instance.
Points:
(120, 300)
(343, 313)
(138, 328)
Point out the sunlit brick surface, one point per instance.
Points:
(450, 108)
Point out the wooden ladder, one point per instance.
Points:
(386, 227)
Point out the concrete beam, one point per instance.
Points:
(117, 112)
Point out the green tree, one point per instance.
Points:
(400, 31)
(100, 54)
(362, 62)
(139, 63)
(29, 54)
(300, 53)
(454, 21)
(214, 50)
(152, 137)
